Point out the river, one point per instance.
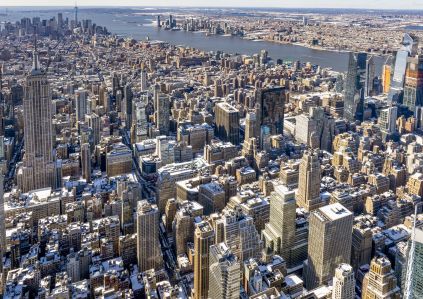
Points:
(128, 23)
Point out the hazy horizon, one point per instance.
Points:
(310, 4)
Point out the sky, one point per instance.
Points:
(370, 4)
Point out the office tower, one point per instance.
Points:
(148, 246)
(251, 126)
(329, 243)
(60, 19)
(387, 73)
(279, 233)
(270, 108)
(361, 251)
(415, 283)
(380, 282)
(76, 15)
(388, 119)
(38, 164)
(225, 273)
(127, 104)
(93, 121)
(162, 113)
(370, 76)
(413, 86)
(308, 194)
(141, 120)
(353, 91)
(343, 282)
(143, 80)
(238, 231)
(2, 224)
(86, 161)
(158, 21)
(164, 150)
(316, 129)
(227, 122)
(81, 103)
(203, 239)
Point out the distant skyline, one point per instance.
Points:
(366, 4)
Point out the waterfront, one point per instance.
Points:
(138, 24)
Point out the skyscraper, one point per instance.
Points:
(271, 106)
(143, 80)
(81, 104)
(380, 282)
(2, 224)
(227, 122)
(162, 113)
(225, 271)
(38, 164)
(408, 49)
(308, 194)
(343, 282)
(370, 76)
(86, 161)
(416, 284)
(329, 244)
(413, 85)
(354, 89)
(148, 245)
(203, 239)
(279, 233)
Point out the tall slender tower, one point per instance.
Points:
(329, 243)
(86, 161)
(2, 226)
(148, 244)
(308, 195)
(38, 164)
(343, 282)
(203, 239)
(279, 233)
(76, 14)
(225, 271)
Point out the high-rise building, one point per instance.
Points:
(388, 118)
(2, 224)
(238, 231)
(203, 239)
(416, 284)
(408, 49)
(370, 76)
(225, 272)
(81, 96)
(38, 163)
(279, 233)
(343, 282)
(413, 86)
(308, 194)
(227, 122)
(354, 89)
(127, 101)
(148, 244)
(143, 80)
(86, 161)
(329, 244)
(387, 73)
(270, 108)
(93, 122)
(162, 113)
(380, 282)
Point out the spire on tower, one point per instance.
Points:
(35, 62)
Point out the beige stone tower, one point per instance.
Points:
(38, 169)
